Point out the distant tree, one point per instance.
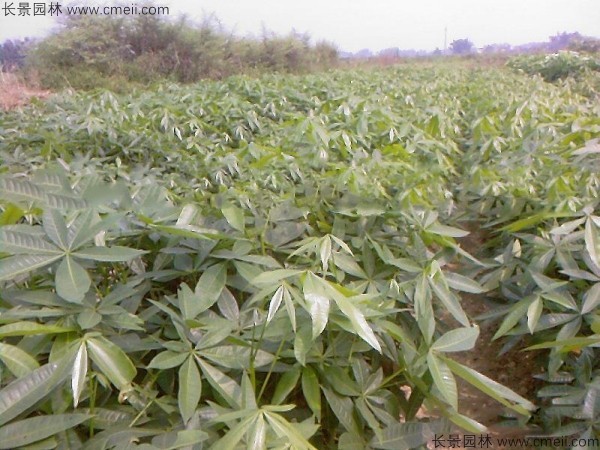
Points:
(461, 46)
(585, 44)
(562, 40)
(12, 54)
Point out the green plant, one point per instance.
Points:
(280, 261)
(555, 66)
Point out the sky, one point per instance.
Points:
(375, 24)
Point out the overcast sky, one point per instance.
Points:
(374, 24)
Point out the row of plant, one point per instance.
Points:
(277, 262)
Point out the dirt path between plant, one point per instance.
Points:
(514, 369)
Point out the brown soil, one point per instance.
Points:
(14, 93)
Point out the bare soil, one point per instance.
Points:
(14, 93)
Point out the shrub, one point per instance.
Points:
(555, 66)
(145, 49)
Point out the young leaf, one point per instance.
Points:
(79, 373)
(275, 303)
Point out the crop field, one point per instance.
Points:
(299, 261)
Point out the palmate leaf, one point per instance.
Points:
(28, 431)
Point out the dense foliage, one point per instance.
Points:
(114, 52)
(278, 262)
(556, 66)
